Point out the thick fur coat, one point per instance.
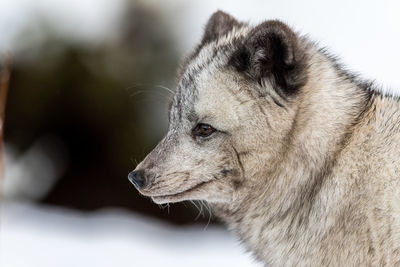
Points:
(298, 157)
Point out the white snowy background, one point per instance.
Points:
(365, 34)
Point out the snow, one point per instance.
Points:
(35, 235)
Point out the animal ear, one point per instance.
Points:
(272, 51)
(219, 24)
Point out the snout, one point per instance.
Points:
(137, 178)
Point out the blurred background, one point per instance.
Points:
(88, 100)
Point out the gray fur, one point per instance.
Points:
(306, 176)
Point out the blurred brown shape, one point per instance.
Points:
(104, 102)
(4, 81)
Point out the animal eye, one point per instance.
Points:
(203, 130)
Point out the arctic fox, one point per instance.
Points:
(300, 158)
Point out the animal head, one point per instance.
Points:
(231, 115)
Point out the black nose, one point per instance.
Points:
(136, 178)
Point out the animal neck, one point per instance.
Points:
(280, 207)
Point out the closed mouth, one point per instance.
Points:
(176, 196)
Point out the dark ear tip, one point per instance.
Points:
(281, 35)
(218, 20)
(278, 28)
(219, 14)
(218, 24)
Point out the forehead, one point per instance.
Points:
(202, 66)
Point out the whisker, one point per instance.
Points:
(164, 206)
(199, 209)
(146, 91)
(191, 201)
(209, 213)
(200, 213)
(134, 161)
(137, 93)
(166, 88)
(148, 87)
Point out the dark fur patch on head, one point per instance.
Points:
(271, 51)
